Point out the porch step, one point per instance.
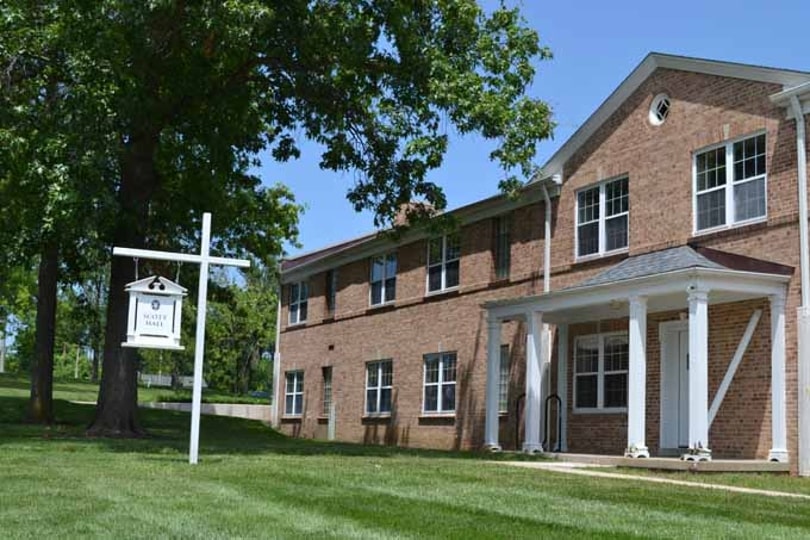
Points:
(674, 464)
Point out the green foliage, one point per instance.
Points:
(240, 327)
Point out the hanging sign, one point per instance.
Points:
(155, 311)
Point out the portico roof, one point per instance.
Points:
(665, 277)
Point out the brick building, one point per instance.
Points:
(642, 291)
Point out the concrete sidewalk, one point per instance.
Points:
(584, 469)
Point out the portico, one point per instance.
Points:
(681, 280)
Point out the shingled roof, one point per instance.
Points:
(681, 258)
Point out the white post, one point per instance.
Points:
(492, 421)
(199, 343)
(534, 354)
(698, 376)
(779, 450)
(204, 260)
(803, 317)
(637, 380)
(276, 410)
(562, 383)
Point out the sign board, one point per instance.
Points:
(155, 312)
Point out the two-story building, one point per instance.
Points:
(642, 291)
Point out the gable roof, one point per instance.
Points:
(786, 77)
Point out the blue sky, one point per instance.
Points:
(595, 46)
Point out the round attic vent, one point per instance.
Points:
(659, 109)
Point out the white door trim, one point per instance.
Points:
(666, 330)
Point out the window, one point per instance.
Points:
(327, 391)
(443, 262)
(379, 382)
(602, 218)
(440, 383)
(331, 291)
(500, 226)
(299, 293)
(383, 279)
(659, 109)
(600, 371)
(294, 393)
(730, 183)
(503, 384)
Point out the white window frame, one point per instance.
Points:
(602, 220)
(443, 264)
(379, 387)
(504, 373)
(441, 409)
(600, 374)
(728, 186)
(385, 277)
(327, 394)
(298, 301)
(296, 390)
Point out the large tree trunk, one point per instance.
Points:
(117, 408)
(40, 404)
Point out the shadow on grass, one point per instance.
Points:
(168, 433)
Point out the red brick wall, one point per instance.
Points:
(658, 162)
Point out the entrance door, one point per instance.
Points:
(674, 385)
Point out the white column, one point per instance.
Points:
(562, 382)
(534, 356)
(492, 422)
(803, 323)
(637, 380)
(698, 376)
(545, 385)
(779, 450)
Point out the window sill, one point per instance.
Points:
(449, 290)
(732, 227)
(292, 326)
(437, 415)
(599, 256)
(614, 410)
(386, 306)
(291, 418)
(374, 418)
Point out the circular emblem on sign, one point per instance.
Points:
(155, 305)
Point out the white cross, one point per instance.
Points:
(204, 259)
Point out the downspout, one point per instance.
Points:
(804, 310)
(277, 356)
(547, 242)
(801, 151)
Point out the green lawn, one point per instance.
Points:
(253, 482)
(14, 385)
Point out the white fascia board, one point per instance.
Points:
(649, 286)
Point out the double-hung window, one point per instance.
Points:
(383, 279)
(331, 292)
(440, 383)
(294, 393)
(503, 382)
(603, 213)
(730, 183)
(379, 383)
(502, 246)
(299, 296)
(444, 254)
(600, 371)
(326, 401)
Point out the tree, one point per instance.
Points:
(192, 91)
